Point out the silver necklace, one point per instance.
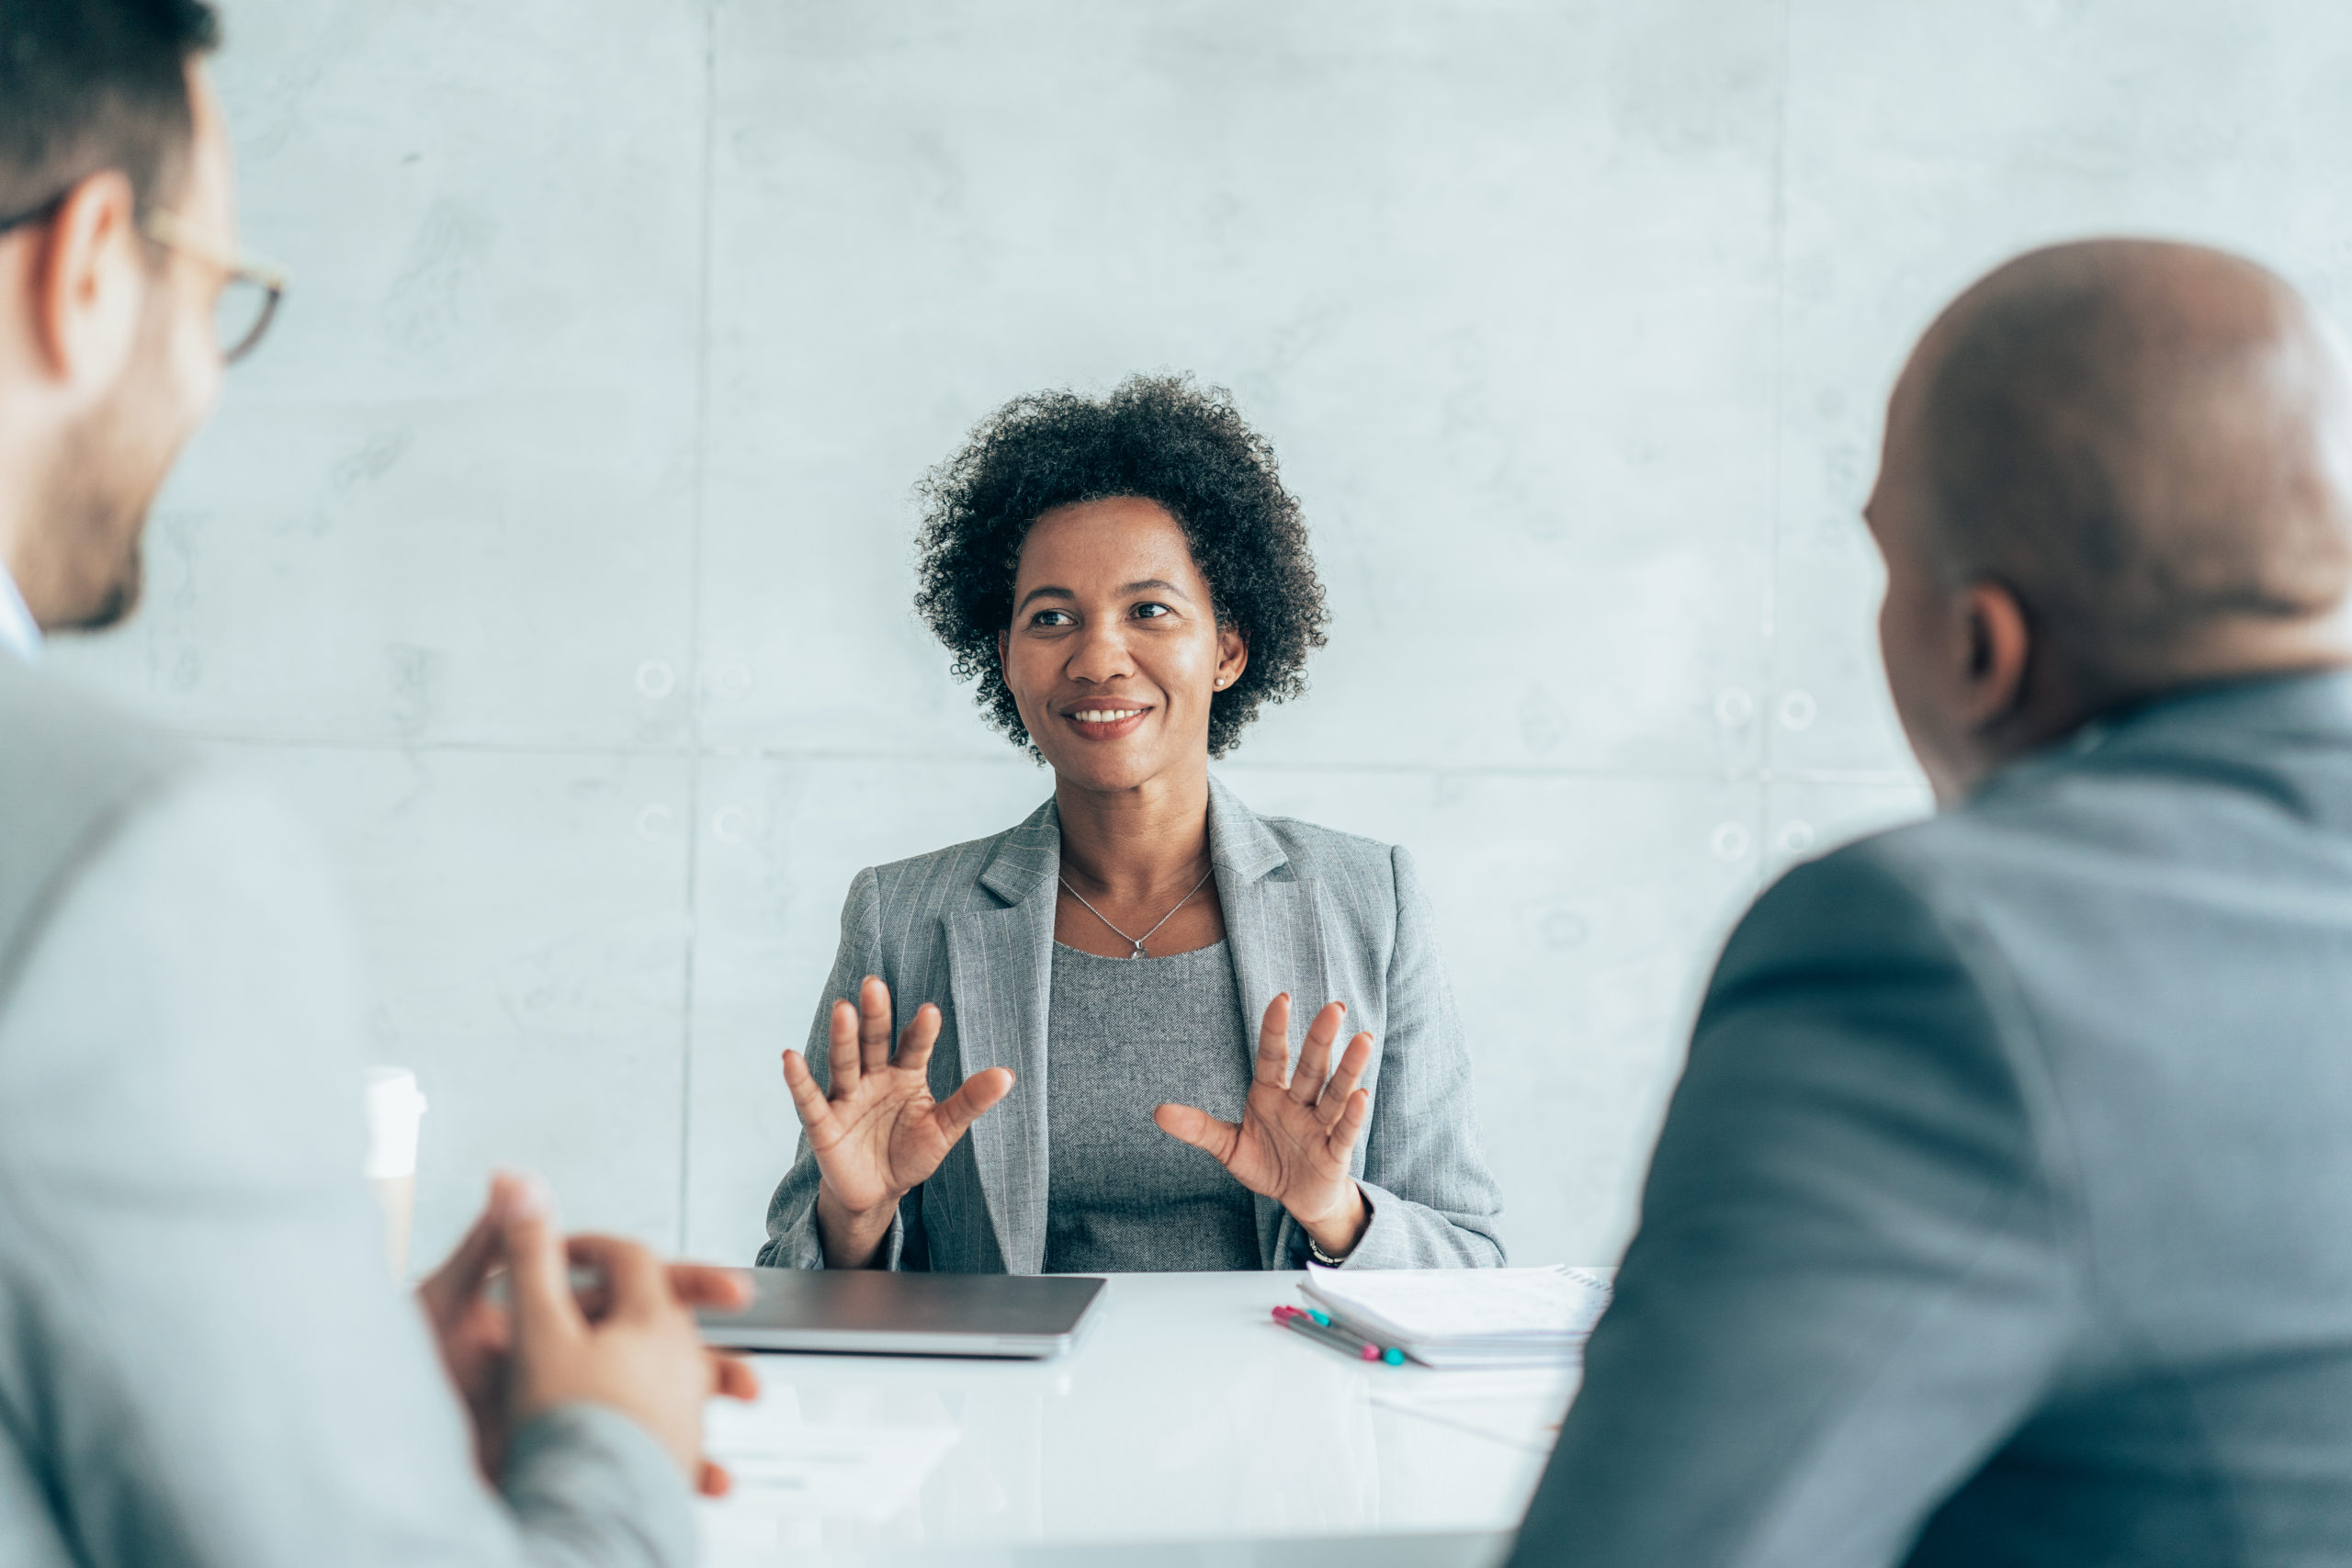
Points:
(1147, 936)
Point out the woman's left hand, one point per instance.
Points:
(1296, 1130)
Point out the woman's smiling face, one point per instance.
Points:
(1114, 652)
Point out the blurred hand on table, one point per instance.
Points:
(630, 1343)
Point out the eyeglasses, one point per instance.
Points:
(250, 287)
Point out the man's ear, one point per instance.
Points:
(90, 282)
(1999, 648)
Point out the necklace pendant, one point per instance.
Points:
(1139, 953)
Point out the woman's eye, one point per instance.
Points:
(1052, 618)
(1152, 612)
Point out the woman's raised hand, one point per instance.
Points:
(1296, 1129)
(875, 1131)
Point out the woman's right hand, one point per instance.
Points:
(877, 1131)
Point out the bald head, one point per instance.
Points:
(2147, 441)
(2148, 446)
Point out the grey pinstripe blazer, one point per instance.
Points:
(1324, 916)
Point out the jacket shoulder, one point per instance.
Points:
(1947, 861)
(70, 768)
(1918, 893)
(940, 870)
(1315, 848)
(1875, 901)
(59, 740)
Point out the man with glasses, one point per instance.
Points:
(201, 1362)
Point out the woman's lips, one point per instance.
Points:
(1106, 721)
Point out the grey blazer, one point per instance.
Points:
(2004, 1212)
(202, 1360)
(1324, 916)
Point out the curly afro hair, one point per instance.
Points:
(1156, 438)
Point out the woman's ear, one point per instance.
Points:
(1232, 656)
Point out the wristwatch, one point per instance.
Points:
(1315, 1250)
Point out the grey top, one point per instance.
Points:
(1324, 916)
(2004, 1212)
(1125, 1035)
(202, 1360)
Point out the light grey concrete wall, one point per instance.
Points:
(554, 554)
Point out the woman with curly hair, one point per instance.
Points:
(1128, 581)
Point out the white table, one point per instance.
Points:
(1186, 1428)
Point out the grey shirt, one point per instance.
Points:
(1123, 1036)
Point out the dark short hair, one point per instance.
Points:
(87, 85)
(1155, 438)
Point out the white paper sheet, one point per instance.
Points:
(793, 1469)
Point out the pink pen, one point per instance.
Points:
(1328, 1334)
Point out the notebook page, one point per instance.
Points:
(1440, 1304)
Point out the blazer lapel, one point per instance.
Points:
(1271, 918)
(1000, 971)
(1273, 929)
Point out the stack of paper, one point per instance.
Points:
(1466, 1317)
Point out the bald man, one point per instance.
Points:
(2004, 1212)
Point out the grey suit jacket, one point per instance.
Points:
(2004, 1212)
(1324, 916)
(202, 1360)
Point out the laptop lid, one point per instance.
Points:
(877, 1312)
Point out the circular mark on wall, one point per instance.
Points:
(1562, 928)
(1798, 710)
(735, 681)
(730, 824)
(653, 822)
(1733, 706)
(1795, 838)
(1730, 841)
(655, 679)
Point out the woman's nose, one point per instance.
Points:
(1101, 654)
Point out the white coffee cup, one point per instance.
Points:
(395, 1111)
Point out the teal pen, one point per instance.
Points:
(1318, 1327)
